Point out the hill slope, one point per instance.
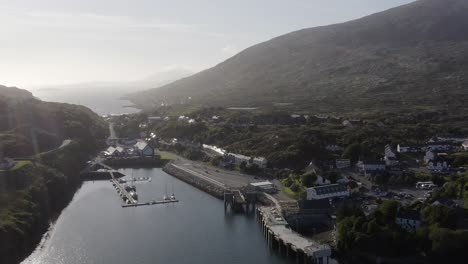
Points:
(29, 126)
(413, 56)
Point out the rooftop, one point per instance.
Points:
(408, 214)
(332, 188)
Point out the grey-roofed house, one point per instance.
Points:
(327, 191)
(143, 149)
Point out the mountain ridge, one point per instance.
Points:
(382, 58)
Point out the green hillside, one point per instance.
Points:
(411, 57)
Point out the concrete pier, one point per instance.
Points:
(287, 242)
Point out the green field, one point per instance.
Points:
(19, 164)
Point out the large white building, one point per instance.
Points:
(327, 191)
(238, 159)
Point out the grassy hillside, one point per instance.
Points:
(35, 190)
(29, 126)
(412, 57)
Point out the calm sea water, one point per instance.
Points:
(94, 228)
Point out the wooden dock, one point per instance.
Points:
(122, 189)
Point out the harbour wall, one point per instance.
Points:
(204, 185)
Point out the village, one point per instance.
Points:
(411, 175)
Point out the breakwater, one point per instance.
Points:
(203, 183)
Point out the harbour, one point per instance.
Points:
(91, 229)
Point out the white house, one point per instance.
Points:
(343, 163)
(215, 149)
(465, 145)
(114, 151)
(389, 152)
(327, 191)
(408, 219)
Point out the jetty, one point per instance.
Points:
(289, 243)
(150, 203)
(122, 190)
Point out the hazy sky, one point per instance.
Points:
(64, 41)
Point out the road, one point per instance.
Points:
(112, 134)
(65, 143)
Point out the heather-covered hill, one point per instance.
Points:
(414, 56)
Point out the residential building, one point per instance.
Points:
(408, 219)
(430, 155)
(390, 161)
(115, 151)
(143, 149)
(465, 145)
(437, 164)
(448, 202)
(334, 148)
(371, 166)
(214, 149)
(347, 123)
(343, 163)
(440, 146)
(154, 119)
(409, 148)
(389, 152)
(327, 191)
(238, 159)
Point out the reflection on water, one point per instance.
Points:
(95, 229)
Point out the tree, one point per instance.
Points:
(242, 166)
(388, 210)
(294, 187)
(348, 209)
(216, 160)
(308, 179)
(352, 152)
(437, 215)
(333, 176)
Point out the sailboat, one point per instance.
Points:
(165, 197)
(173, 198)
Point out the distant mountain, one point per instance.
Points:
(411, 57)
(106, 97)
